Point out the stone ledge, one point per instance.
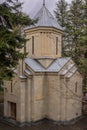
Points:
(13, 123)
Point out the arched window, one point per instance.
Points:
(76, 87)
(56, 45)
(32, 44)
(11, 87)
(25, 48)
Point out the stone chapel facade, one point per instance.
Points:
(45, 85)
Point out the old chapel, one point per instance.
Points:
(46, 85)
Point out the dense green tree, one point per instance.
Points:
(74, 21)
(12, 22)
(83, 42)
(61, 14)
(78, 31)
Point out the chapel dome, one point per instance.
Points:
(46, 19)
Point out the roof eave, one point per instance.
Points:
(43, 27)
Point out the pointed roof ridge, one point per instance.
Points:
(45, 19)
(43, 8)
(43, 2)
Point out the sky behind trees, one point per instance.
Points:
(32, 6)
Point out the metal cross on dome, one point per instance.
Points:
(43, 2)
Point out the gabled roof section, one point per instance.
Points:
(46, 19)
(54, 67)
(72, 72)
(68, 69)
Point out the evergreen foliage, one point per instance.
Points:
(75, 35)
(12, 22)
(61, 15)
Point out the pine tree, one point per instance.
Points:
(74, 21)
(61, 13)
(12, 22)
(78, 32)
(83, 44)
